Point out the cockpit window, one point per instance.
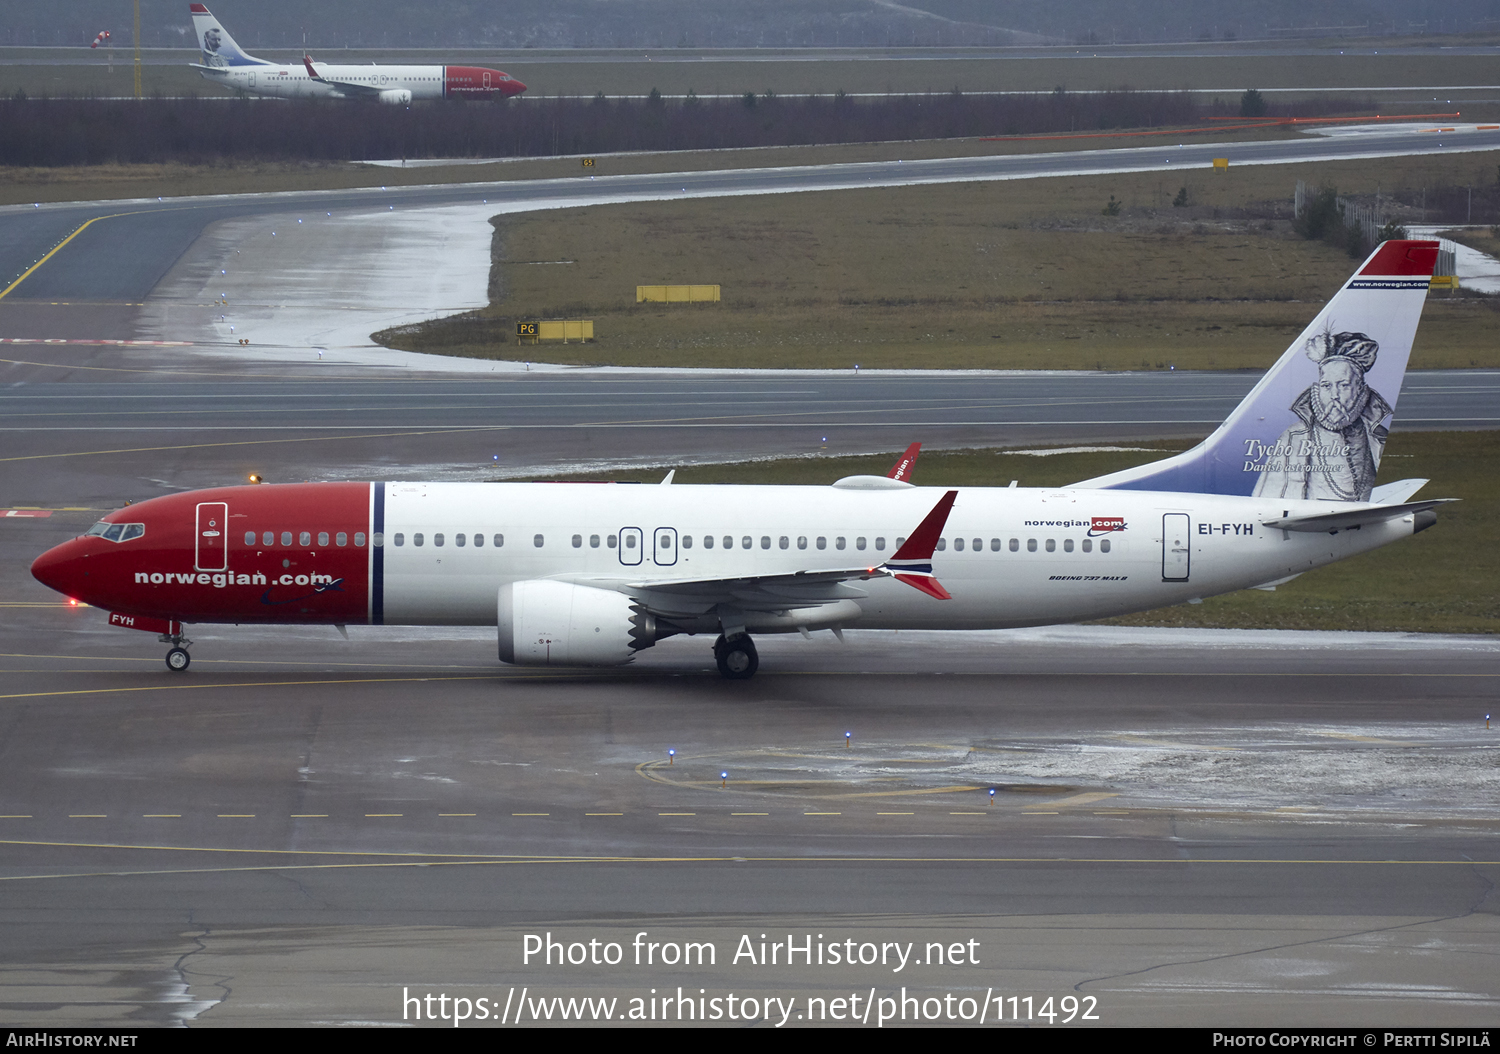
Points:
(116, 532)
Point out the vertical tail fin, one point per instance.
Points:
(214, 41)
(1316, 424)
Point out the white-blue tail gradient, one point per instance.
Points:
(1316, 424)
(215, 43)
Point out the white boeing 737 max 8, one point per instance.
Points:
(226, 63)
(589, 574)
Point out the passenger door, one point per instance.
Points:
(210, 551)
(1175, 552)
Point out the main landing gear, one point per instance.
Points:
(178, 658)
(736, 657)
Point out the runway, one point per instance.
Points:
(98, 436)
(1228, 829)
(307, 829)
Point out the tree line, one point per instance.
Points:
(58, 132)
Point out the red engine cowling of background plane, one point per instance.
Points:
(545, 623)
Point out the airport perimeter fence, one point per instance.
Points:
(1321, 212)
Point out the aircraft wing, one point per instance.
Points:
(1339, 521)
(911, 564)
(772, 592)
(347, 87)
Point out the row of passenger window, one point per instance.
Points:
(459, 540)
(304, 538)
(709, 541)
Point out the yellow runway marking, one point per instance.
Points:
(56, 248)
(88, 816)
(237, 684)
(968, 814)
(895, 814)
(384, 815)
(308, 816)
(822, 814)
(601, 814)
(236, 816)
(42, 604)
(458, 814)
(1033, 812)
(16, 816)
(749, 814)
(259, 662)
(1085, 799)
(161, 816)
(390, 860)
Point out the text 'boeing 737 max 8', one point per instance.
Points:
(226, 63)
(590, 575)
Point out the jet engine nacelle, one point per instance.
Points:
(545, 623)
(395, 96)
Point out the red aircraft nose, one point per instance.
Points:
(59, 568)
(513, 87)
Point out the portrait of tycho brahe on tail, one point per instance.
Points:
(1333, 449)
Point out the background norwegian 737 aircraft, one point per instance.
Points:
(580, 574)
(224, 62)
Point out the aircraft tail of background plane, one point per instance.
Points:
(1316, 424)
(214, 41)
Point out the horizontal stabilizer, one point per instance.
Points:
(1397, 492)
(1340, 521)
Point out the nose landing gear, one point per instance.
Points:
(736, 657)
(178, 658)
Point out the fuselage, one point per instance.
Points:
(438, 553)
(292, 81)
